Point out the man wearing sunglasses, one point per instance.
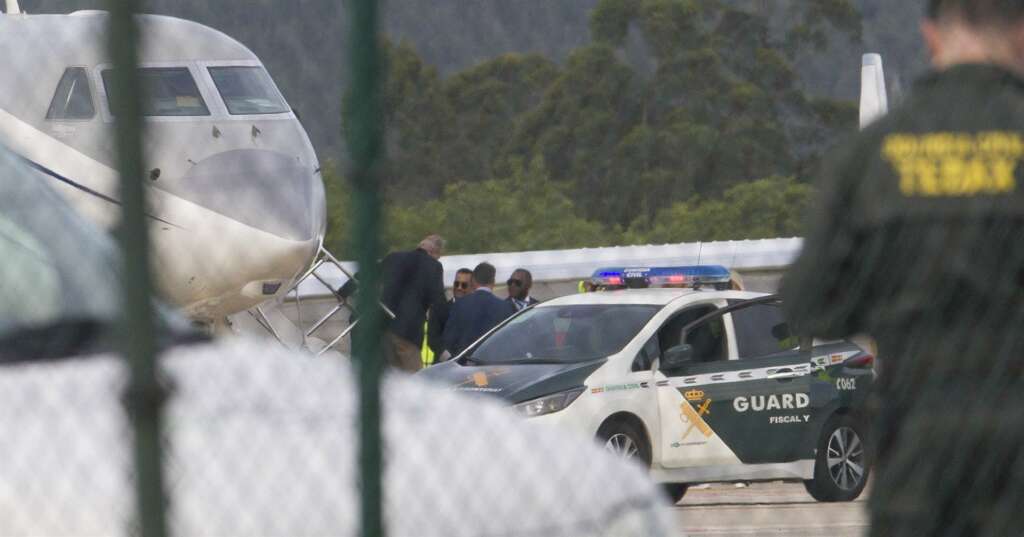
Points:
(460, 287)
(476, 313)
(435, 323)
(519, 289)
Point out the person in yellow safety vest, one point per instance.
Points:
(426, 354)
(460, 288)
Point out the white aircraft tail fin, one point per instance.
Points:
(874, 102)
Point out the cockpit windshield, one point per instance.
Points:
(248, 90)
(563, 334)
(169, 91)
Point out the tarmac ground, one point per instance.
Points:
(725, 510)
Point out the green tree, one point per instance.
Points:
(766, 208)
(488, 100)
(418, 126)
(586, 113)
(722, 106)
(338, 239)
(524, 211)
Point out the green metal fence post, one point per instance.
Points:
(144, 395)
(365, 147)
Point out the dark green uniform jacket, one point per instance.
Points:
(917, 238)
(919, 219)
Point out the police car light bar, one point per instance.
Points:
(637, 277)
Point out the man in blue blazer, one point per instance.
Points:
(476, 313)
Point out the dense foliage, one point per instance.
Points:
(520, 153)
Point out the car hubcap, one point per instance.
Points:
(622, 445)
(845, 458)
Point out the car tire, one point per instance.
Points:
(675, 491)
(625, 440)
(841, 467)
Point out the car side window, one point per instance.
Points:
(761, 330)
(73, 98)
(645, 358)
(708, 339)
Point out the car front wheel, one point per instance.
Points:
(623, 439)
(841, 465)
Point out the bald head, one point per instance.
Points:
(433, 245)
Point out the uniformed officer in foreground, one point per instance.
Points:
(918, 240)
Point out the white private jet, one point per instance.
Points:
(236, 201)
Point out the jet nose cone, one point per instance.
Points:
(264, 189)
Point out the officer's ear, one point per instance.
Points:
(1016, 37)
(933, 39)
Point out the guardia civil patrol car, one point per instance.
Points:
(697, 381)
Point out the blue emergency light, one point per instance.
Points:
(640, 277)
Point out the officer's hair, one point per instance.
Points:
(464, 270)
(978, 12)
(483, 274)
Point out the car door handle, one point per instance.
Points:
(784, 373)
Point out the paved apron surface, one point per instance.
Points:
(723, 510)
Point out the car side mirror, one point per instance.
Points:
(781, 331)
(677, 357)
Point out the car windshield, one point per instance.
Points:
(247, 90)
(170, 91)
(564, 334)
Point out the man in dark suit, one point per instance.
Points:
(519, 289)
(431, 345)
(413, 283)
(475, 314)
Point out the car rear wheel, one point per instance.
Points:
(841, 466)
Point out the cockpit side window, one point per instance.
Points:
(73, 98)
(168, 91)
(247, 90)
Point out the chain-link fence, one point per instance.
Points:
(220, 343)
